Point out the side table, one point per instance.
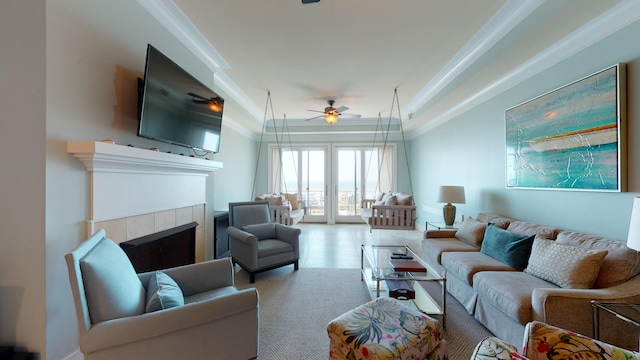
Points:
(629, 313)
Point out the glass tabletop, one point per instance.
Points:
(381, 257)
(627, 312)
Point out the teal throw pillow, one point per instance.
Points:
(262, 231)
(163, 293)
(507, 247)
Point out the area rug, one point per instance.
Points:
(296, 306)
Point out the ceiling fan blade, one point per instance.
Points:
(342, 108)
(309, 1)
(317, 111)
(317, 117)
(353, 116)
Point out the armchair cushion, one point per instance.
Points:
(262, 231)
(494, 348)
(163, 293)
(543, 341)
(112, 287)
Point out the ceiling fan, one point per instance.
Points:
(331, 114)
(215, 103)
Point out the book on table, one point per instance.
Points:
(402, 265)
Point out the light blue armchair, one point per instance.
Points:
(257, 244)
(210, 318)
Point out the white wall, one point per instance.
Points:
(22, 170)
(469, 150)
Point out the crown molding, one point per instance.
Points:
(618, 17)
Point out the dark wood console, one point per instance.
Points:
(164, 249)
(220, 234)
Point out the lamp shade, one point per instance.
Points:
(452, 194)
(633, 239)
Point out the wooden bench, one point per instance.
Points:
(395, 217)
(281, 214)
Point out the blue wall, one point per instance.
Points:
(469, 150)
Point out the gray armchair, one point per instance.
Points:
(257, 244)
(210, 317)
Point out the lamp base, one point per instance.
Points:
(449, 214)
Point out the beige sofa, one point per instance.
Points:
(504, 298)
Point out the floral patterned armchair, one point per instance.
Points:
(548, 342)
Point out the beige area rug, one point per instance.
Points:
(296, 306)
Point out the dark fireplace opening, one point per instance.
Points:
(164, 249)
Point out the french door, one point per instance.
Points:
(331, 185)
(359, 172)
(301, 170)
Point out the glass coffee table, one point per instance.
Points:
(377, 273)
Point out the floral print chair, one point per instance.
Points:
(548, 342)
(384, 328)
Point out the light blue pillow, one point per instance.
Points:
(262, 231)
(507, 247)
(112, 287)
(163, 293)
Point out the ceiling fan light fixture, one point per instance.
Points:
(331, 118)
(215, 105)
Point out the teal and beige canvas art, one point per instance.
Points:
(569, 138)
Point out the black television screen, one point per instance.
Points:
(176, 108)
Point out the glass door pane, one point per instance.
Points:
(302, 171)
(349, 179)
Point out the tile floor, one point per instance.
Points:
(338, 246)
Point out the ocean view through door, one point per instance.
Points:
(303, 172)
(331, 185)
(359, 173)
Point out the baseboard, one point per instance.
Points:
(76, 355)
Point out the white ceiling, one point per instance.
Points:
(442, 56)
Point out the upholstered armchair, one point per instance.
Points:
(256, 243)
(543, 342)
(187, 312)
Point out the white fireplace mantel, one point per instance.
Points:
(127, 181)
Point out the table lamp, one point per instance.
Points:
(633, 239)
(451, 194)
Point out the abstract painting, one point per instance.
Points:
(570, 138)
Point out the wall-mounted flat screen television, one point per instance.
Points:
(177, 108)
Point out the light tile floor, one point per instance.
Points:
(338, 246)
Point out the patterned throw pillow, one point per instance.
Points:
(471, 231)
(492, 348)
(567, 266)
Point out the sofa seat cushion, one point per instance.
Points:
(509, 291)
(466, 264)
(619, 265)
(271, 247)
(433, 248)
(210, 294)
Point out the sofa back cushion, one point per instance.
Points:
(532, 229)
(620, 264)
(507, 247)
(471, 232)
(494, 219)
